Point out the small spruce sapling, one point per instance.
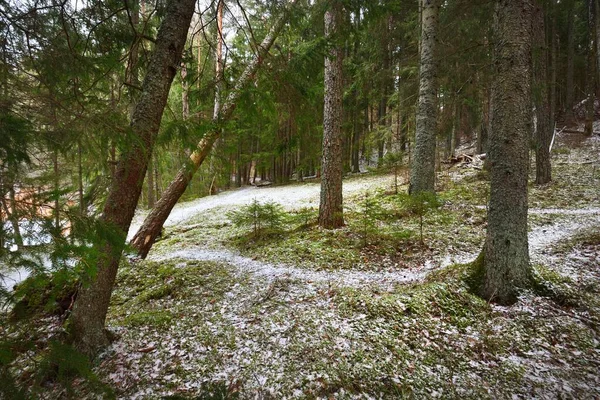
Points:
(420, 204)
(393, 160)
(306, 216)
(259, 216)
(371, 212)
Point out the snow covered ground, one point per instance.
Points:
(290, 197)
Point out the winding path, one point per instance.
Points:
(541, 239)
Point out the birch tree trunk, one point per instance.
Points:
(422, 174)
(331, 212)
(147, 234)
(505, 258)
(91, 306)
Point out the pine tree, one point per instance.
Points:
(422, 176)
(331, 212)
(89, 312)
(504, 262)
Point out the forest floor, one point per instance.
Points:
(366, 311)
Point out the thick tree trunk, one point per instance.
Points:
(544, 127)
(422, 174)
(145, 237)
(505, 265)
(331, 212)
(91, 306)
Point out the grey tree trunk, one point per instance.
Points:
(505, 265)
(147, 234)
(91, 306)
(331, 212)
(422, 174)
(544, 127)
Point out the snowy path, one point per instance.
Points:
(346, 278)
(541, 240)
(291, 197)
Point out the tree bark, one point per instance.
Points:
(570, 89)
(591, 71)
(91, 306)
(331, 212)
(544, 128)
(147, 234)
(422, 174)
(505, 265)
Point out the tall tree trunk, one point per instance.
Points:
(597, 43)
(145, 237)
(591, 70)
(422, 174)
(219, 65)
(331, 212)
(505, 260)
(356, 128)
(544, 128)
(553, 41)
(570, 89)
(91, 306)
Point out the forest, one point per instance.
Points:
(299, 199)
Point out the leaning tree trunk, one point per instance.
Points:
(422, 174)
(544, 127)
(147, 234)
(89, 313)
(505, 266)
(331, 212)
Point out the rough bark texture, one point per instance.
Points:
(544, 128)
(89, 313)
(331, 212)
(147, 234)
(422, 174)
(506, 265)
